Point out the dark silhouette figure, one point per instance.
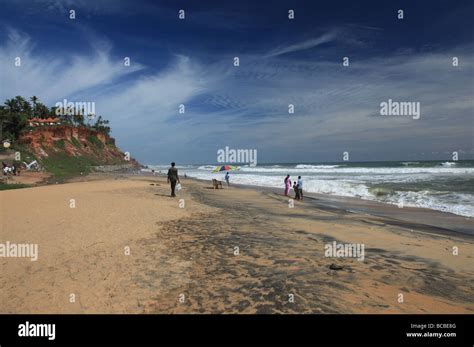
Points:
(173, 178)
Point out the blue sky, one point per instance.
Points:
(282, 62)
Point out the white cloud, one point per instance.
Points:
(53, 77)
(157, 97)
(311, 43)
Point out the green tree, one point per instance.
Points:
(15, 113)
(18, 105)
(42, 110)
(101, 125)
(34, 101)
(78, 119)
(12, 123)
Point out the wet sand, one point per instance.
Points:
(184, 260)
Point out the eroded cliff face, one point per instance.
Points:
(45, 142)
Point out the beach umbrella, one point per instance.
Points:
(225, 168)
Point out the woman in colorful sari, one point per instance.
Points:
(287, 185)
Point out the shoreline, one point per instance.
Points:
(441, 220)
(434, 220)
(435, 185)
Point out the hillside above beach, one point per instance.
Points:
(39, 142)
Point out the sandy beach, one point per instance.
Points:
(127, 247)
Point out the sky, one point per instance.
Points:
(282, 61)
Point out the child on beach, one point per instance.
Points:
(227, 177)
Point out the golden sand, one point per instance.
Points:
(122, 245)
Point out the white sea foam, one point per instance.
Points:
(311, 185)
(356, 182)
(207, 167)
(354, 170)
(448, 164)
(305, 166)
(460, 204)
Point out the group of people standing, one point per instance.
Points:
(173, 179)
(297, 187)
(9, 169)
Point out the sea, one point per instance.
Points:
(446, 186)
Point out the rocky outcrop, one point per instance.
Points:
(74, 142)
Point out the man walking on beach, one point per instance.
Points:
(300, 187)
(173, 178)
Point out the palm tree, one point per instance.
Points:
(41, 109)
(3, 119)
(34, 100)
(11, 104)
(19, 105)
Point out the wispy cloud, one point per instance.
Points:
(307, 44)
(53, 77)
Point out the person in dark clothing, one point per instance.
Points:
(227, 177)
(173, 178)
(297, 191)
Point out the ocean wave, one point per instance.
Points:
(359, 170)
(307, 166)
(311, 185)
(339, 187)
(207, 167)
(460, 204)
(448, 164)
(406, 163)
